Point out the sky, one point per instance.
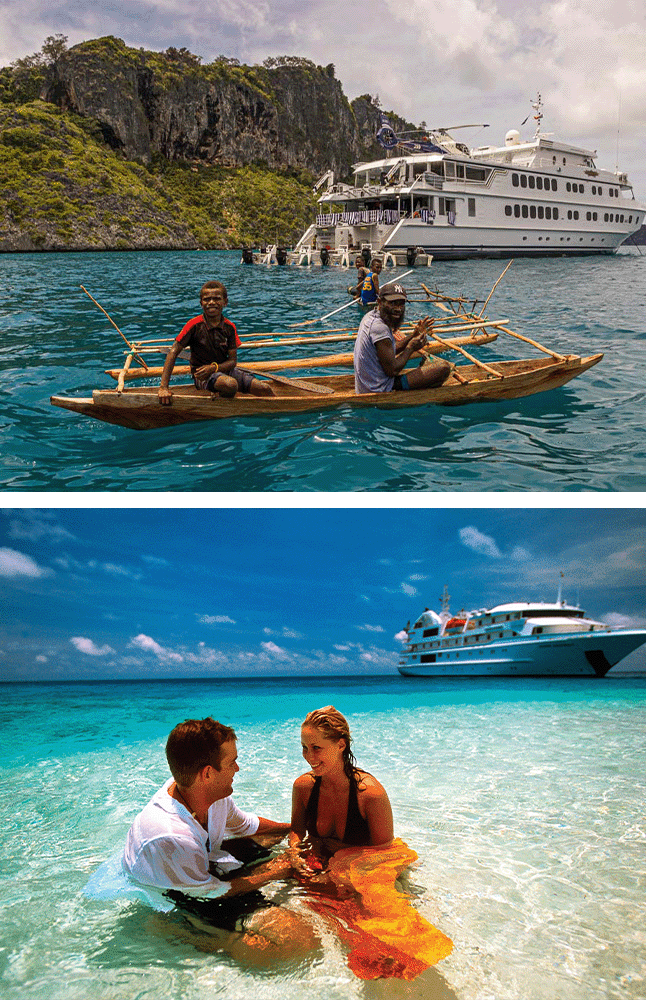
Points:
(446, 62)
(110, 593)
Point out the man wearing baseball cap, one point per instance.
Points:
(379, 359)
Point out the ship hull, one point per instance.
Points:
(592, 654)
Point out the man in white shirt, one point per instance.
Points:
(175, 844)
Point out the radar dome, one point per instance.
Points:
(512, 138)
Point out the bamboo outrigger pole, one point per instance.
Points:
(494, 288)
(138, 356)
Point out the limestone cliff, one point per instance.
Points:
(150, 104)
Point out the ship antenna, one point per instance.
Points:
(538, 117)
(558, 596)
(446, 598)
(618, 128)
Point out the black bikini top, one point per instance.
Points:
(357, 831)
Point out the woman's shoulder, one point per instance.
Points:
(368, 786)
(305, 781)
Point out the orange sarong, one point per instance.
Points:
(387, 936)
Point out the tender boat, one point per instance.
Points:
(514, 640)
(432, 196)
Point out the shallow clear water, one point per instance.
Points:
(588, 435)
(524, 801)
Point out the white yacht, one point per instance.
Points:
(514, 640)
(432, 196)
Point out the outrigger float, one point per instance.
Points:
(461, 330)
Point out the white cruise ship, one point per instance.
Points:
(514, 640)
(434, 197)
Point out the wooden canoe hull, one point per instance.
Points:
(140, 409)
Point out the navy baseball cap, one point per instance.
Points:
(393, 290)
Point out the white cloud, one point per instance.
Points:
(88, 647)
(402, 636)
(370, 628)
(409, 589)
(482, 544)
(215, 619)
(277, 651)
(115, 570)
(41, 659)
(13, 564)
(149, 645)
(618, 620)
(37, 525)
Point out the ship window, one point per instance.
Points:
(429, 631)
(523, 181)
(594, 189)
(539, 183)
(555, 185)
(532, 211)
(428, 658)
(508, 210)
(472, 206)
(576, 215)
(541, 212)
(568, 186)
(530, 181)
(594, 216)
(517, 211)
(555, 213)
(588, 216)
(514, 180)
(525, 211)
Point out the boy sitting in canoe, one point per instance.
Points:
(379, 359)
(214, 343)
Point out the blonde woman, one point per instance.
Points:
(336, 804)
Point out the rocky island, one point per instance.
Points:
(106, 147)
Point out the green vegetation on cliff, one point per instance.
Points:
(103, 146)
(62, 188)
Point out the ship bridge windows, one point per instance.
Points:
(430, 631)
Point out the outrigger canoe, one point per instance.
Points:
(139, 408)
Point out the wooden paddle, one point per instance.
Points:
(297, 382)
(309, 322)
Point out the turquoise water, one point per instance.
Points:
(524, 801)
(588, 435)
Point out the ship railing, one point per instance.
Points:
(383, 216)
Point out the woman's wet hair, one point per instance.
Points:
(334, 726)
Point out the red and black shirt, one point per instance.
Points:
(208, 343)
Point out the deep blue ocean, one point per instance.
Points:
(586, 436)
(524, 800)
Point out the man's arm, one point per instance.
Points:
(270, 826)
(164, 392)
